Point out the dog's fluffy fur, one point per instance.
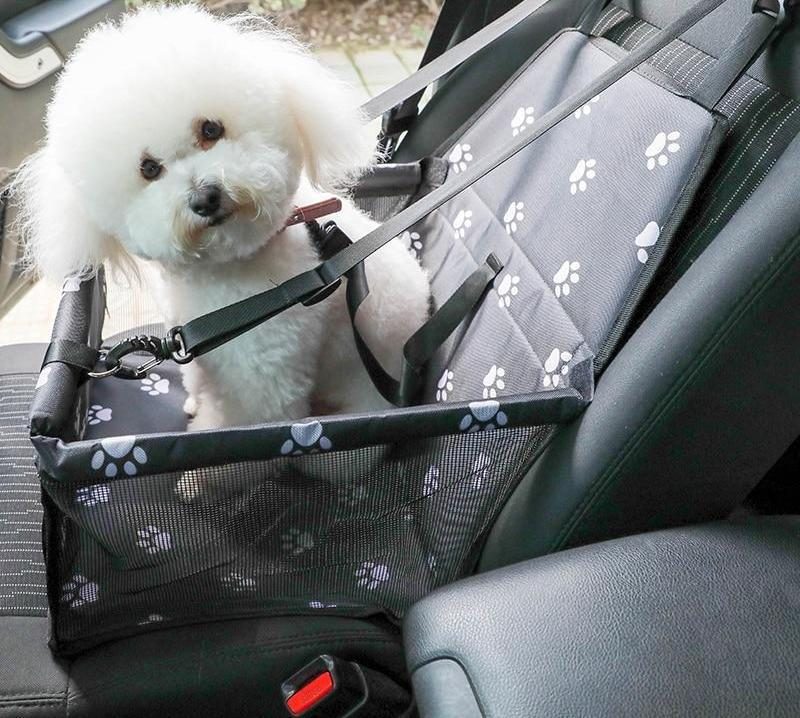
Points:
(291, 132)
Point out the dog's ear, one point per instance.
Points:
(326, 112)
(59, 239)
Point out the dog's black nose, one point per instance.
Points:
(206, 200)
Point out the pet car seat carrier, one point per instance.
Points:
(563, 194)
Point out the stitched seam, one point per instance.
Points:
(676, 390)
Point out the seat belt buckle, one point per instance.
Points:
(327, 687)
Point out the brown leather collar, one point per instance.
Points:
(309, 212)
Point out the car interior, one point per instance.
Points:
(648, 560)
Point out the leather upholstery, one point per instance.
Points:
(689, 622)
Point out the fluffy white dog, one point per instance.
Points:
(184, 139)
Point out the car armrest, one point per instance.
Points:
(700, 620)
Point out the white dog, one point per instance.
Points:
(187, 140)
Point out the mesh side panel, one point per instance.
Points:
(762, 124)
(22, 572)
(349, 532)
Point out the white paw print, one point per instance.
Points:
(645, 239)
(566, 275)
(152, 618)
(508, 288)
(412, 241)
(44, 377)
(93, 495)
(79, 590)
(153, 540)
(98, 414)
(112, 450)
(239, 582)
(459, 157)
(462, 223)
(307, 438)
(480, 470)
(320, 604)
(483, 416)
(493, 381)
(444, 387)
(587, 108)
(513, 215)
(556, 367)
(522, 118)
(430, 482)
(583, 172)
(661, 148)
(372, 574)
(295, 541)
(353, 494)
(154, 385)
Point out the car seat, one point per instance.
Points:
(709, 365)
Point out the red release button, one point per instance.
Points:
(307, 696)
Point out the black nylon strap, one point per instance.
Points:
(424, 343)
(768, 17)
(72, 353)
(214, 329)
(440, 66)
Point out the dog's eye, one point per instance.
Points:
(150, 169)
(211, 131)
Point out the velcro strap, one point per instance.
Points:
(71, 353)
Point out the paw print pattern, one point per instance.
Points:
(493, 382)
(430, 482)
(480, 470)
(295, 541)
(462, 223)
(646, 239)
(583, 172)
(587, 108)
(238, 582)
(659, 150)
(93, 495)
(371, 574)
(353, 494)
(556, 367)
(412, 241)
(98, 414)
(320, 604)
(507, 289)
(444, 387)
(79, 591)
(44, 377)
(153, 540)
(522, 119)
(154, 385)
(483, 416)
(111, 453)
(459, 157)
(566, 275)
(307, 438)
(513, 215)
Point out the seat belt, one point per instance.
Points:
(209, 331)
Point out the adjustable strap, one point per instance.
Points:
(399, 118)
(438, 67)
(769, 18)
(427, 340)
(74, 354)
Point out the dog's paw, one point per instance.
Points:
(189, 487)
(190, 406)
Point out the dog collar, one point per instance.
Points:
(310, 212)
